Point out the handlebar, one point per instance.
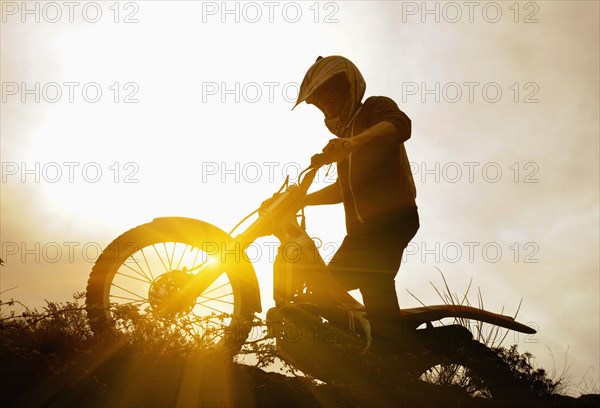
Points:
(304, 183)
(326, 157)
(316, 162)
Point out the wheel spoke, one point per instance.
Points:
(212, 290)
(195, 258)
(133, 277)
(172, 255)
(160, 257)
(182, 255)
(216, 297)
(126, 298)
(147, 264)
(128, 291)
(210, 307)
(170, 260)
(141, 269)
(216, 300)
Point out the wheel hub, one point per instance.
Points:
(168, 295)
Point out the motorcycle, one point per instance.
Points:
(189, 271)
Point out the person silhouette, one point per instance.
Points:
(374, 183)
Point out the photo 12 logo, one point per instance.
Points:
(474, 172)
(69, 172)
(470, 11)
(69, 12)
(269, 12)
(470, 92)
(71, 92)
(471, 252)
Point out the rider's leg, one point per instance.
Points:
(378, 286)
(383, 312)
(343, 265)
(369, 260)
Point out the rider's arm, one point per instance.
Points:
(388, 124)
(328, 195)
(382, 131)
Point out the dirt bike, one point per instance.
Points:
(190, 271)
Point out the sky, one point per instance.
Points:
(114, 113)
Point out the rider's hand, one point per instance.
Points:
(337, 149)
(318, 160)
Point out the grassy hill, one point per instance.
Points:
(51, 358)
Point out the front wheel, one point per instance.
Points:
(147, 274)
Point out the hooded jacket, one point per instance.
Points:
(376, 181)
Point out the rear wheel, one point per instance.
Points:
(445, 361)
(147, 273)
(451, 359)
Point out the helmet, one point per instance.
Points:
(320, 72)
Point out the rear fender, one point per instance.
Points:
(419, 315)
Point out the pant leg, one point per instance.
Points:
(369, 260)
(379, 294)
(349, 262)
